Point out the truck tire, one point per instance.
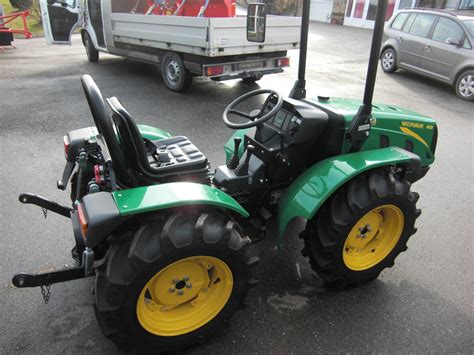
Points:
(174, 282)
(361, 229)
(91, 52)
(175, 76)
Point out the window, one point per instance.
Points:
(470, 26)
(349, 8)
(407, 25)
(422, 25)
(397, 24)
(446, 28)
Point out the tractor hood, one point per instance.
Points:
(390, 126)
(349, 107)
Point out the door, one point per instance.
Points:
(440, 57)
(60, 17)
(412, 39)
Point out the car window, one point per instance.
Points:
(397, 24)
(422, 25)
(409, 22)
(470, 26)
(446, 28)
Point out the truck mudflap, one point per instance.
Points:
(307, 194)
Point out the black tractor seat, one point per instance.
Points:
(160, 159)
(170, 153)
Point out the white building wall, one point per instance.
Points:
(320, 10)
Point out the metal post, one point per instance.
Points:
(299, 89)
(374, 56)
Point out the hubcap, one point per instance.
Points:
(173, 73)
(373, 237)
(387, 60)
(466, 86)
(184, 296)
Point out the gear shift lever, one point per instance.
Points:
(234, 159)
(243, 168)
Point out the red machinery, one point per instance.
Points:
(5, 19)
(194, 8)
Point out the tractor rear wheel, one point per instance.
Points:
(173, 283)
(361, 229)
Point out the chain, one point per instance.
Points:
(46, 293)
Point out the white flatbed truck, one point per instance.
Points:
(183, 46)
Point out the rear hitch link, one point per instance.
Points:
(45, 204)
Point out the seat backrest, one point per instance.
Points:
(134, 144)
(104, 126)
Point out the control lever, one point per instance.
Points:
(281, 156)
(234, 159)
(243, 168)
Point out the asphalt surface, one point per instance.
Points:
(423, 304)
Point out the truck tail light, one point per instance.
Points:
(214, 70)
(66, 145)
(283, 62)
(82, 220)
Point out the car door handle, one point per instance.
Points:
(428, 48)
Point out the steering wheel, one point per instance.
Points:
(256, 117)
(103, 121)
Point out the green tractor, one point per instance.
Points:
(170, 243)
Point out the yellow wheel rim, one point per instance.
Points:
(373, 237)
(184, 296)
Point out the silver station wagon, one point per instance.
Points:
(435, 43)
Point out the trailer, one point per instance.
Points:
(184, 46)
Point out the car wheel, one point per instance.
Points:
(465, 85)
(388, 60)
(175, 76)
(92, 53)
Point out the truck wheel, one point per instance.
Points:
(173, 283)
(388, 60)
(250, 80)
(465, 85)
(361, 229)
(176, 77)
(92, 53)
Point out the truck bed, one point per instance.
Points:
(209, 37)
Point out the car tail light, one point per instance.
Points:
(283, 62)
(66, 146)
(82, 220)
(215, 70)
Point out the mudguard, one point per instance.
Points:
(156, 197)
(308, 193)
(153, 133)
(106, 211)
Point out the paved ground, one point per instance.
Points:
(423, 304)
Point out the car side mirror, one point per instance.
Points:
(453, 42)
(256, 22)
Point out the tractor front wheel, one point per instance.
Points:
(174, 282)
(361, 229)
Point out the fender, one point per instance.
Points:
(106, 211)
(152, 133)
(307, 194)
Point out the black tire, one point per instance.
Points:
(130, 264)
(388, 60)
(250, 80)
(464, 84)
(91, 52)
(326, 234)
(175, 76)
